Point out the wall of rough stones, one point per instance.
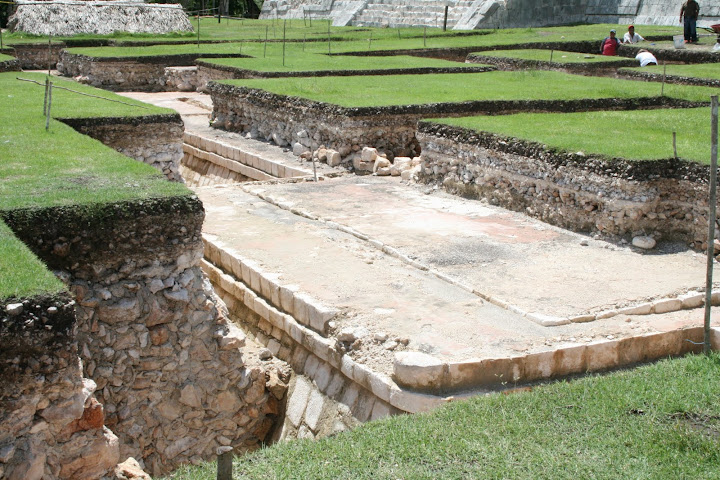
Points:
(51, 425)
(665, 199)
(10, 66)
(307, 125)
(154, 139)
(169, 367)
(37, 56)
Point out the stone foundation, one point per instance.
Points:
(51, 425)
(10, 66)
(154, 139)
(169, 367)
(665, 199)
(506, 63)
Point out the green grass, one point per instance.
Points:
(21, 273)
(703, 70)
(5, 58)
(636, 135)
(629, 424)
(439, 88)
(558, 56)
(314, 62)
(60, 166)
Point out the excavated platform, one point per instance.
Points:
(464, 282)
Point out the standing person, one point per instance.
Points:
(631, 36)
(690, 11)
(610, 45)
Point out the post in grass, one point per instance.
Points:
(284, 25)
(425, 36)
(370, 41)
(49, 105)
(662, 87)
(329, 36)
(551, 53)
(711, 218)
(265, 44)
(198, 35)
(49, 53)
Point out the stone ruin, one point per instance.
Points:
(61, 18)
(468, 15)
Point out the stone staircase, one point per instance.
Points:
(421, 13)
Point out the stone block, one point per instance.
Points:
(418, 370)
(314, 409)
(380, 410)
(298, 401)
(665, 305)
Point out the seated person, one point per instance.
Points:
(610, 45)
(646, 58)
(631, 36)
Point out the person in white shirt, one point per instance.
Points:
(646, 58)
(631, 36)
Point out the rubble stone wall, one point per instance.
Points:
(154, 139)
(10, 66)
(168, 365)
(51, 425)
(665, 198)
(37, 56)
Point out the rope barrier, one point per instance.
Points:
(81, 93)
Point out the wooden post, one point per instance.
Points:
(198, 39)
(675, 145)
(551, 53)
(47, 87)
(224, 463)
(329, 36)
(711, 218)
(662, 88)
(445, 19)
(49, 52)
(265, 44)
(49, 106)
(304, 35)
(1, 39)
(424, 36)
(370, 41)
(284, 26)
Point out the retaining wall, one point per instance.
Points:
(51, 424)
(152, 139)
(291, 120)
(168, 365)
(10, 66)
(507, 63)
(664, 198)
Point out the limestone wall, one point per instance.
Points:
(665, 199)
(307, 125)
(51, 425)
(153, 139)
(169, 367)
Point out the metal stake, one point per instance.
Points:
(265, 44)
(445, 19)
(675, 144)
(711, 218)
(49, 106)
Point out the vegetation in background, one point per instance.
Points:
(632, 135)
(461, 87)
(659, 421)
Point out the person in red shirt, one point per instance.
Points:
(610, 45)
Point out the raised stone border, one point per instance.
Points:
(283, 119)
(209, 162)
(208, 71)
(636, 74)
(10, 65)
(665, 198)
(152, 139)
(141, 73)
(508, 63)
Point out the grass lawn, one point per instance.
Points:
(659, 421)
(701, 70)
(439, 88)
(558, 56)
(21, 273)
(314, 62)
(5, 58)
(635, 135)
(61, 167)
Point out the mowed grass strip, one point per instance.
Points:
(5, 58)
(42, 168)
(314, 62)
(22, 275)
(364, 91)
(709, 71)
(557, 56)
(631, 135)
(659, 421)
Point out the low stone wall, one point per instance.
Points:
(153, 139)
(506, 63)
(10, 66)
(657, 77)
(37, 56)
(133, 73)
(208, 72)
(391, 130)
(51, 425)
(664, 199)
(168, 365)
